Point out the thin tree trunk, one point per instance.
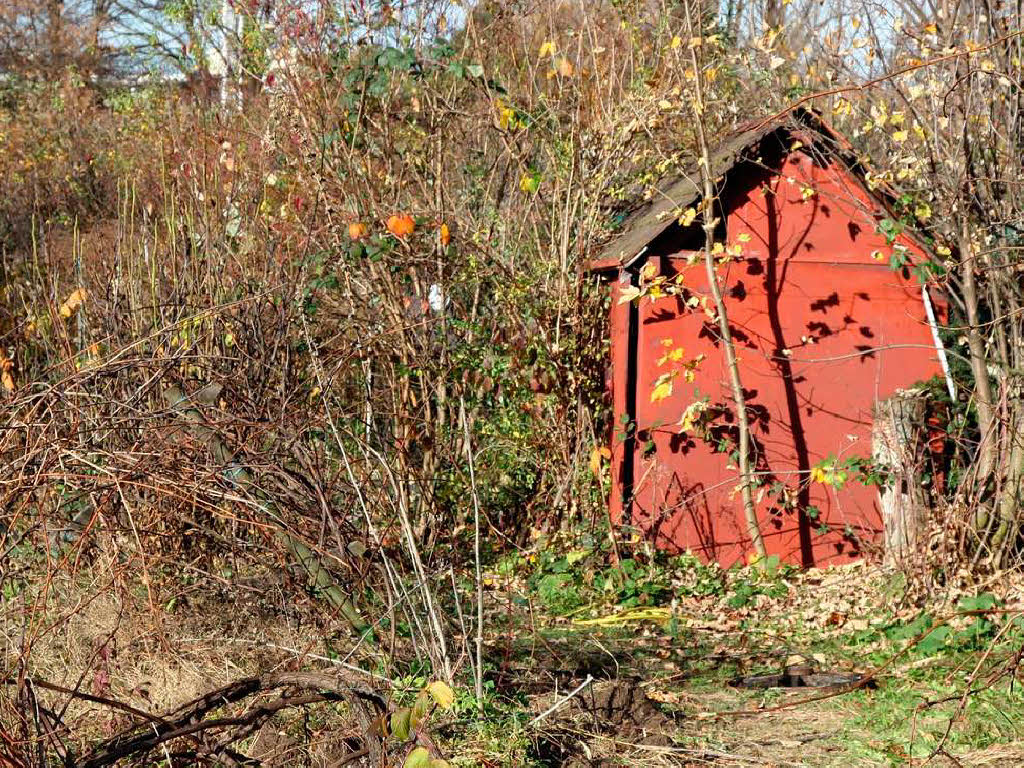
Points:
(55, 33)
(746, 477)
(983, 398)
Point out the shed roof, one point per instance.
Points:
(683, 190)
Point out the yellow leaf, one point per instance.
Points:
(900, 136)
(598, 456)
(662, 388)
(743, 237)
(530, 182)
(691, 414)
(807, 193)
(442, 693)
(418, 758)
(688, 217)
(676, 42)
(73, 302)
(507, 118)
(630, 615)
(565, 68)
(547, 49)
(6, 372)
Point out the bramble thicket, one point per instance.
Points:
(298, 342)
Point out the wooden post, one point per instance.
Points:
(897, 439)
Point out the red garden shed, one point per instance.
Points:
(824, 327)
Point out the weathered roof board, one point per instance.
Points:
(677, 193)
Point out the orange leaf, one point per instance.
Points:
(445, 235)
(6, 372)
(357, 230)
(401, 225)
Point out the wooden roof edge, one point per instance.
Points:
(652, 219)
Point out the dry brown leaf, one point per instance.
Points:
(73, 302)
(6, 372)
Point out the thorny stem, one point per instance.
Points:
(746, 480)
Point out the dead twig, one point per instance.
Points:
(189, 719)
(561, 702)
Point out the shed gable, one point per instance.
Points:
(823, 326)
(654, 227)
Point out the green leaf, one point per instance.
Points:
(475, 70)
(442, 694)
(395, 58)
(418, 758)
(935, 641)
(982, 602)
(401, 723)
(530, 182)
(420, 709)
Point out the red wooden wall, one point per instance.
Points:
(854, 330)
